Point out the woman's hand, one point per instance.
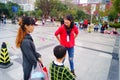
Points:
(75, 36)
(40, 61)
(58, 38)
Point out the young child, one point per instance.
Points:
(57, 69)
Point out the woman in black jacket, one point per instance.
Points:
(25, 42)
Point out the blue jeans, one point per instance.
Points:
(71, 56)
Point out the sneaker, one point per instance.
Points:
(72, 71)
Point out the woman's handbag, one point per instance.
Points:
(39, 73)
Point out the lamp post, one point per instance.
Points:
(93, 8)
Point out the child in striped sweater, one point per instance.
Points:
(57, 69)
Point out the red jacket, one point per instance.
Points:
(61, 31)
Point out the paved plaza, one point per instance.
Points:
(96, 55)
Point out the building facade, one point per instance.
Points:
(27, 5)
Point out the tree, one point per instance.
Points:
(3, 9)
(38, 13)
(7, 9)
(112, 15)
(44, 5)
(114, 10)
(117, 5)
(51, 7)
(54, 13)
(60, 9)
(80, 14)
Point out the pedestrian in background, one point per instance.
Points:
(57, 69)
(66, 35)
(25, 42)
(96, 27)
(85, 24)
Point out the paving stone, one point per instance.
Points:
(93, 53)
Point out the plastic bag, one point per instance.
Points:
(39, 73)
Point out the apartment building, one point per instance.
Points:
(27, 5)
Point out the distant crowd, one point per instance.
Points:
(3, 18)
(97, 27)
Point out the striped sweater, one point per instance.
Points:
(60, 72)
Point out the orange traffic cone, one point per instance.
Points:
(4, 57)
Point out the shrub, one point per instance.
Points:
(115, 25)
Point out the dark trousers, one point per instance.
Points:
(27, 71)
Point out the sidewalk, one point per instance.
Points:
(94, 59)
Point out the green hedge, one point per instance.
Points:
(115, 25)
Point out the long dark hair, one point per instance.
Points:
(71, 19)
(22, 30)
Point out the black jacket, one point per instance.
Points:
(30, 56)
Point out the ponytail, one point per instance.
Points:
(20, 37)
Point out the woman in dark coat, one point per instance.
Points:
(24, 41)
